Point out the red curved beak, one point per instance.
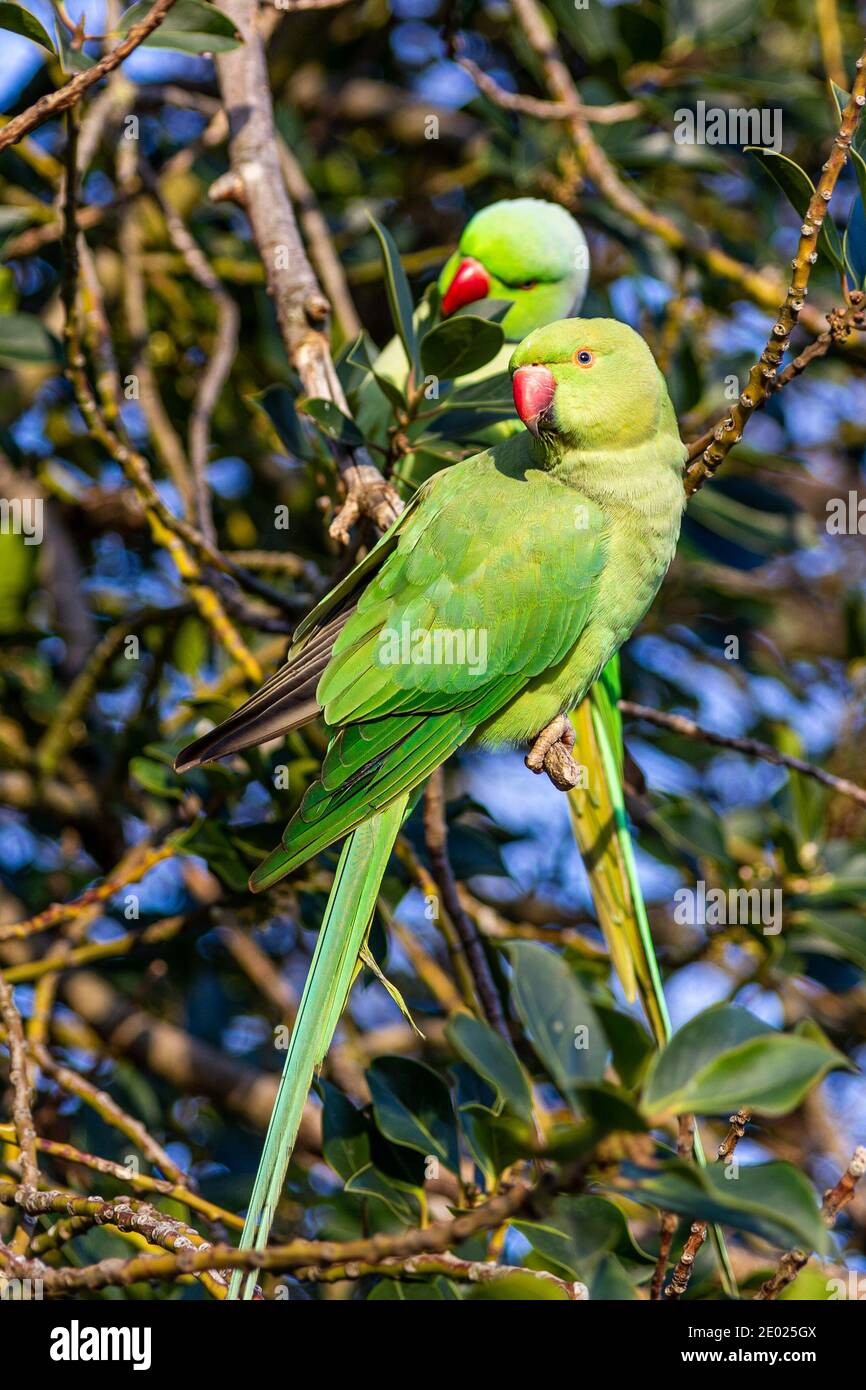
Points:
(471, 282)
(534, 389)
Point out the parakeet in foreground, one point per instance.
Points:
(534, 254)
(486, 611)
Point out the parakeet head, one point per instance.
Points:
(590, 384)
(522, 249)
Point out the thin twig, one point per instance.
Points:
(763, 373)
(65, 97)
(436, 839)
(698, 1233)
(669, 1219)
(752, 747)
(139, 1182)
(541, 109)
(219, 364)
(19, 1075)
(835, 1199)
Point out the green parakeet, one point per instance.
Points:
(534, 254)
(486, 611)
(523, 250)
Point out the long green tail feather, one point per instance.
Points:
(360, 871)
(600, 825)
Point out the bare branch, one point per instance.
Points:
(65, 97)
(752, 747)
(835, 1199)
(765, 370)
(436, 839)
(256, 182)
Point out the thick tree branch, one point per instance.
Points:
(19, 1075)
(433, 1239)
(256, 183)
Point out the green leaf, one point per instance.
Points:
(630, 1043)
(412, 1106)
(213, 842)
(278, 404)
(399, 295)
(190, 646)
(799, 189)
(332, 421)
(855, 243)
(460, 345)
(402, 1201)
(771, 1200)
(156, 778)
(493, 309)
(345, 1133)
(562, 1025)
(192, 26)
(71, 59)
(492, 1058)
(23, 339)
(609, 1282)
(843, 932)
(690, 825)
(726, 1058)
(358, 356)
(578, 1232)
(20, 21)
(494, 393)
(496, 1141)
(367, 958)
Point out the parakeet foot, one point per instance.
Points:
(551, 753)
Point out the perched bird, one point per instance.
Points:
(523, 250)
(535, 254)
(486, 611)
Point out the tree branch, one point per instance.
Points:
(436, 839)
(762, 375)
(65, 97)
(752, 747)
(256, 183)
(835, 1199)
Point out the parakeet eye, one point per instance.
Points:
(583, 357)
(529, 285)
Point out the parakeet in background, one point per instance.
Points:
(523, 250)
(534, 559)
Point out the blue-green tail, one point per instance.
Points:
(600, 825)
(350, 909)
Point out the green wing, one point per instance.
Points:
(490, 556)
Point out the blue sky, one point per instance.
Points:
(19, 58)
